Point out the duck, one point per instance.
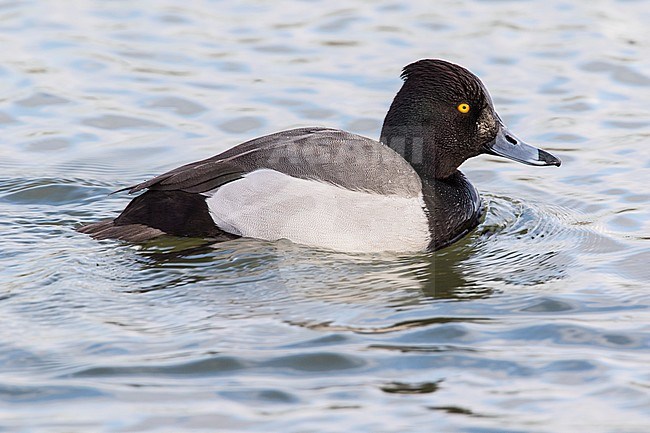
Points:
(331, 189)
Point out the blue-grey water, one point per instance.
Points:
(538, 321)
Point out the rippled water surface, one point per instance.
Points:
(535, 322)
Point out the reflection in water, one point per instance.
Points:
(410, 388)
(535, 321)
(332, 276)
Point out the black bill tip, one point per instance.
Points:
(548, 159)
(507, 145)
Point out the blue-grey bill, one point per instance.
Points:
(509, 146)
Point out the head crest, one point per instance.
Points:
(443, 73)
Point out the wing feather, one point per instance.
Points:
(327, 155)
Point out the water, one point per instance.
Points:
(535, 322)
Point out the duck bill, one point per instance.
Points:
(507, 145)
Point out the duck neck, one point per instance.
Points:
(416, 143)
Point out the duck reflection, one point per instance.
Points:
(399, 280)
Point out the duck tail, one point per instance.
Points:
(107, 229)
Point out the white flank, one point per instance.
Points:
(270, 205)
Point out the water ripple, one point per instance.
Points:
(536, 321)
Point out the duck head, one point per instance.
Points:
(444, 115)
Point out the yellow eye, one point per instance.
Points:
(463, 108)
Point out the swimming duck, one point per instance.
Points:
(332, 189)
